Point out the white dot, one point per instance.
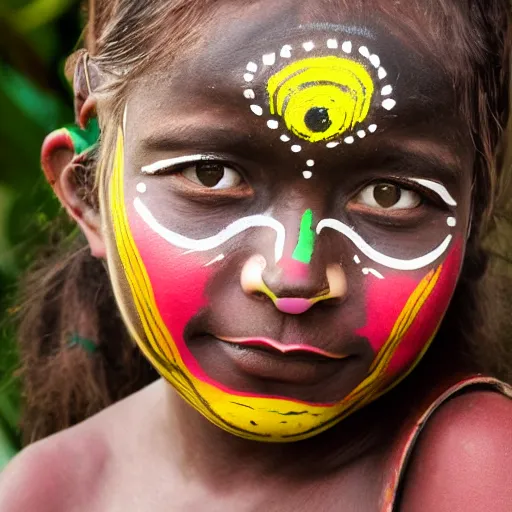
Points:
(307, 174)
(382, 73)
(372, 128)
(349, 140)
(332, 44)
(308, 46)
(249, 94)
(252, 67)
(286, 51)
(141, 188)
(248, 77)
(386, 90)
(361, 134)
(273, 124)
(296, 148)
(331, 145)
(356, 259)
(269, 59)
(310, 163)
(366, 271)
(347, 47)
(363, 50)
(257, 110)
(389, 104)
(375, 60)
(285, 138)
(451, 222)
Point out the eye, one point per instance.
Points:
(388, 196)
(213, 175)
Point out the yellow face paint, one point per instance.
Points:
(321, 98)
(255, 417)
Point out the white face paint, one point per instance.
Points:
(163, 165)
(373, 272)
(377, 256)
(240, 225)
(439, 189)
(212, 242)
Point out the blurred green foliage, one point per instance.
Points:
(35, 38)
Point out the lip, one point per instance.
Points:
(292, 349)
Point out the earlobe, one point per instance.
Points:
(84, 214)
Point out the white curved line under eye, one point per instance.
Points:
(377, 256)
(172, 162)
(439, 189)
(206, 244)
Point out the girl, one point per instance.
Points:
(289, 199)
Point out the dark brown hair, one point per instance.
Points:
(69, 290)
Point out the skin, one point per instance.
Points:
(158, 216)
(178, 449)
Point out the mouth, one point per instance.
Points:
(297, 370)
(291, 351)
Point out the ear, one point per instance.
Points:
(65, 151)
(60, 165)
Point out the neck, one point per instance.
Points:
(212, 454)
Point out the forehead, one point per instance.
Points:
(243, 49)
(238, 31)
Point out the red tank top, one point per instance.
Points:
(407, 441)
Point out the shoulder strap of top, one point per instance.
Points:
(407, 441)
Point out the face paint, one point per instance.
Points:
(382, 259)
(215, 241)
(306, 244)
(308, 101)
(261, 417)
(321, 99)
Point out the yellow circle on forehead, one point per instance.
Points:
(320, 98)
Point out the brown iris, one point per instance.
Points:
(209, 174)
(387, 195)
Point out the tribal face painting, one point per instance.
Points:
(288, 229)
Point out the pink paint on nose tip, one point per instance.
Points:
(293, 306)
(294, 270)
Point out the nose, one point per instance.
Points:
(298, 281)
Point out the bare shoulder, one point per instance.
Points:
(52, 474)
(463, 459)
(70, 471)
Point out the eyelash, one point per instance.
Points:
(427, 195)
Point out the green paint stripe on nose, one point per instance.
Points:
(306, 243)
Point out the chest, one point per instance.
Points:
(358, 490)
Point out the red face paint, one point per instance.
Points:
(385, 300)
(178, 281)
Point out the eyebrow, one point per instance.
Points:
(419, 159)
(199, 136)
(404, 154)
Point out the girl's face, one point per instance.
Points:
(287, 213)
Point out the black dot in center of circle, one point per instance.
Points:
(317, 119)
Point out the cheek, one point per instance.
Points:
(178, 280)
(404, 310)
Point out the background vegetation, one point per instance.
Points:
(35, 38)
